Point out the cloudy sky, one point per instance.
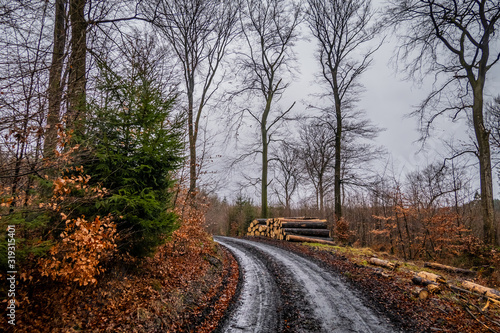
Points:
(387, 100)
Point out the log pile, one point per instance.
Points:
(432, 284)
(258, 227)
(298, 229)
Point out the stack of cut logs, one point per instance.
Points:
(292, 229)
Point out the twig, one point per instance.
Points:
(479, 321)
(485, 315)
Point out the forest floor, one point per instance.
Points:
(393, 293)
(174, 291)
(182, 291)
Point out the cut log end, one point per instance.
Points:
(421, 293)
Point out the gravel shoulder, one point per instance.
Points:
(286, 292)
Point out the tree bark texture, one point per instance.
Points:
(77, 80)
(308, 225)
(265, 146)
(55, 87)
(484, 155)
(338, 148)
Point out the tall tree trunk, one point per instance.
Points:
(55, 89)
(338, 146)
(77, 80)
(192, 137)
(287, 201)
(265, 147)
(264, 170)
(21, 144)
(484, 154)
(321, 191)
(22, 133)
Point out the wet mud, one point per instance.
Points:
(284, 292)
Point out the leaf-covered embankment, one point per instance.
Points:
(393, 293)
(185, 287)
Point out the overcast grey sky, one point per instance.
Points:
(387, 100)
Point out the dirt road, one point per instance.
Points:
(284, 292)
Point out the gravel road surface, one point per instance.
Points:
(284, 292)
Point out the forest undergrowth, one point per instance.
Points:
(184, 287)
(393, 293)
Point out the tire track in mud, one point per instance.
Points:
(257, 296)
(296, 293)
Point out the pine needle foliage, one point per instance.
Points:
(134, 145)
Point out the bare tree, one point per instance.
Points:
(358, 153)
(200, 32)
(493, 121)
(23, 60)
(428, 187)
(270, 30)
(341, 28)
(455, 39)
(86, 29)
(287, 171)
(317, 152)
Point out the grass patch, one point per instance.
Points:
(347, 250)
(321, 246)
(411, 267)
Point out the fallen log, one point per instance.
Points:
(421, 281)
(482, 290)
(382, 263)
(307, 232)
(306, 225)
(431, 288)
(449, 268)
(421, 293)
(297, 238)
(431, 277)
(458, 289)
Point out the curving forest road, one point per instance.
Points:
(284, 292)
